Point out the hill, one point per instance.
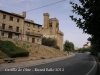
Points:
(36, 51)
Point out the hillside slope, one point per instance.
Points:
(36, 51)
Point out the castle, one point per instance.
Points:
(16, 26)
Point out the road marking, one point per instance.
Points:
(92, 67)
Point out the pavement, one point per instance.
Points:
(80, 64)
(4, 66)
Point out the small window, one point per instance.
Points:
(37, 40)
(11, 18)
(17, 20)
(38, 31)
(50, 25)
(2, 33)
(28, 29)
(16, 36)
(10, 27)
(4, 16)
(3, 26)
(17, 29)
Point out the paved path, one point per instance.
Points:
(80, 64)
(3, 66)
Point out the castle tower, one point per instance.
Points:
(46, 20)
(54, 25)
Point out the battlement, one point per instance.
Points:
(28, 20)
(46, 14)
(55, 19)
(59, 32)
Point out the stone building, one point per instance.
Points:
(11, 24)
(85, 46)
(51, 29)
(16, 26)
(32, 31)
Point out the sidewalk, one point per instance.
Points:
(3, 66)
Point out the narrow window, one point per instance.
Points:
(50, 25)
(18, 20)
(4, 16)
(3, 26)
(2, 33)
(17, 29)
(11, 18)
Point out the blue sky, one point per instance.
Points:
(61, 11)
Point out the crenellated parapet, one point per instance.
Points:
(61, 33)
(28, 20)
(46, 14)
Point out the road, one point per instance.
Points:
(80, 64)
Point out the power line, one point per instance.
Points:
(46, 5)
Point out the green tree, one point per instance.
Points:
(49, 42)
(68, 46)
(89, 20)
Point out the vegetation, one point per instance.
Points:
(68, 46)
(42, 57)
(57, 47)
(89, 21)
(82, 50)
(51, 42)
(2, 55)
(12, 50)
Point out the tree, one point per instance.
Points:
(68, 46)
(49, 42)
(89, 12)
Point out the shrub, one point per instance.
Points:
(82, 50)
(49, 41)
(12, 50)
(57, 47)
(2, 55)
(42, 58)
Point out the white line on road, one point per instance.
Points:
(92, 67)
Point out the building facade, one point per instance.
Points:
(51, 29)
(16, 26)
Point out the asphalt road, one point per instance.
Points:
(80, 64)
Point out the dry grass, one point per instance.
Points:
(37, 51)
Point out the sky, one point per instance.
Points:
(61, 11)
